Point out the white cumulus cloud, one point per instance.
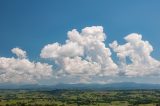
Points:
(138, 52)
(83, 58)
(19, 52)
(21, 70)
(83, 54)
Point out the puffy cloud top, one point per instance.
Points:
(83, 53)
(19, 52)
(138, 52)
(21, 70)
(55, 50)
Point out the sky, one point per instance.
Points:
(79, 41)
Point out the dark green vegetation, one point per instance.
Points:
(80, 98)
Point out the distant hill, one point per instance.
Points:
(112, 86)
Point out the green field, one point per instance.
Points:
(80, 98)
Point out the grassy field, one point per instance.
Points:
(80, 98)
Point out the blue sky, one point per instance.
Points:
(30, 25)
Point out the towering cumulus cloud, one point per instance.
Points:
(139, 53)
(84, 58)
(83, 54)
(21, 70)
